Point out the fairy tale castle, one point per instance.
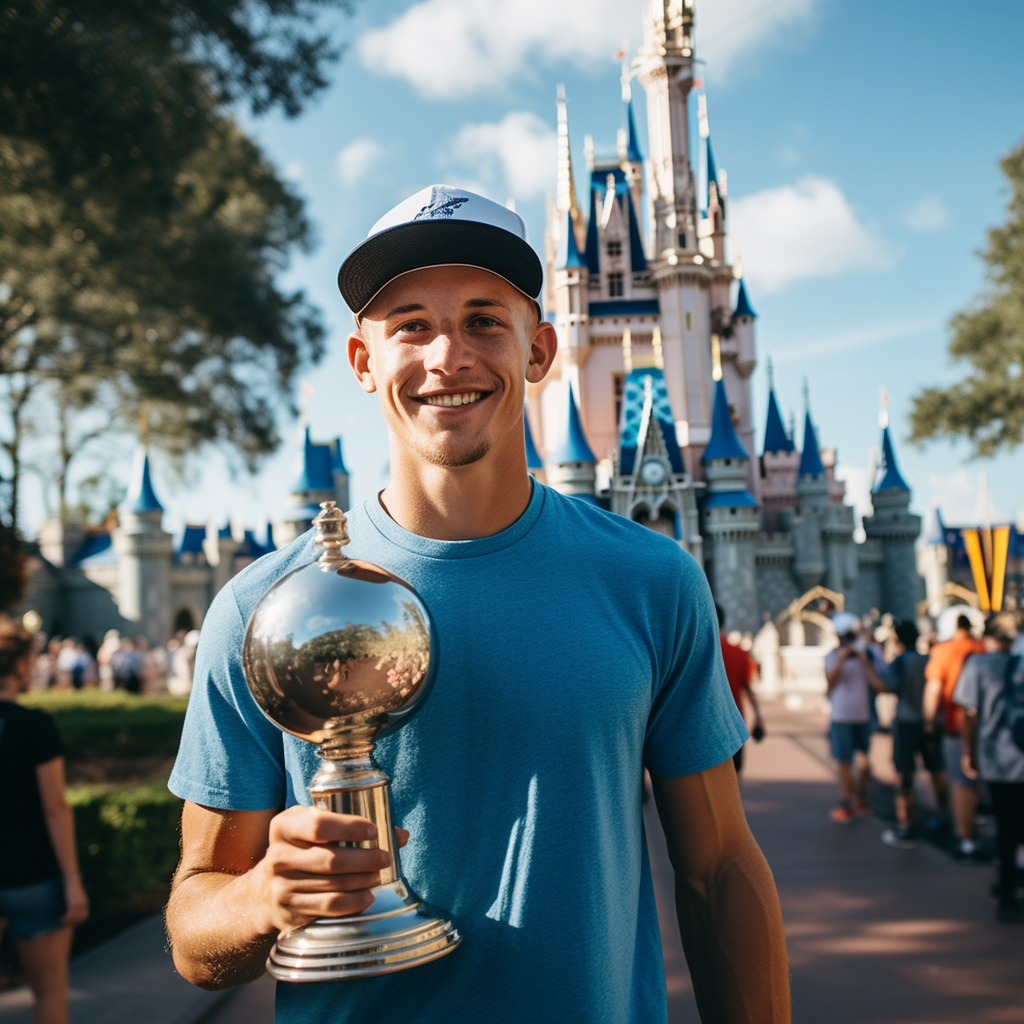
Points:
(138, 578)
(648, 410)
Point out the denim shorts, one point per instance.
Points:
(33, 910)
(846, 737)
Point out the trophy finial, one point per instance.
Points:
(331, 535)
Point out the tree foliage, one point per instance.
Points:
(141, 230)
(988, 406)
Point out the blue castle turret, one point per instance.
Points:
(320, 476)
(145, 555)
(534, 463)
(895, 529)
(571, 467)
(732, 519)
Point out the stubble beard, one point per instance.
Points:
(443, 456)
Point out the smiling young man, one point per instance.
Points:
(575, 648)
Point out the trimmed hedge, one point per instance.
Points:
(127, 846)
(98, 724)
(127, 833)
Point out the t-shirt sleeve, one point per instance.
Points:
(694, 723)
(231, 756)
(46, 744)
(966, 692)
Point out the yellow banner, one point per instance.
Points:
(1000, 547)
(987, 551)
(972, 542)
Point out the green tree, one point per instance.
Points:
(988, 406)
(175, 317)
(140, 229)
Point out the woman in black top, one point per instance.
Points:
(41, 893)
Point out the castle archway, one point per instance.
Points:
(794, 608)
(185, 620)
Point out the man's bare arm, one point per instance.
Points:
(931, 700)
(245, 876)
(728, 908)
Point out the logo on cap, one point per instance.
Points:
(443, 203)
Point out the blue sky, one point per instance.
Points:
(861, 142)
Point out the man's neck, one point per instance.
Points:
(464, 503)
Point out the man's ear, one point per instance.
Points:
(359, 360)
(543, 348)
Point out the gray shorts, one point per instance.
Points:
(951, 749)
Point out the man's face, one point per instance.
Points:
(449, 351)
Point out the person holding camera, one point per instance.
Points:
(852, 679)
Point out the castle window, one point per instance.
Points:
(614, 285)
(615, 248)
(682, 239)
(689, 322)
(618, 385)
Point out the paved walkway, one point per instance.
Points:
(875, 935)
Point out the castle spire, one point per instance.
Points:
(574, 447)
(775, 437)
(810, 457)
(141, 496)
(665, 67)
(723, 444)
(533, 460)
(566, 187)
(713, 174)
(568, 252)
(743, 306)
(889, 477)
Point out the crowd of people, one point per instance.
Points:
(119, 662)
(955, 703)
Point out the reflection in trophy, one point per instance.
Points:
(341, 652)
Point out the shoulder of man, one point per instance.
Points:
(588, 523)
(258, 577)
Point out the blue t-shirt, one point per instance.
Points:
(575, 647)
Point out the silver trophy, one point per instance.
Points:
(340, 652)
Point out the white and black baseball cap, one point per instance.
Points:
(441, 226)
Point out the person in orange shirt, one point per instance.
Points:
(942, 672)
(741, 671)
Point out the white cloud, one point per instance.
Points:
(450, 48)
(293, 170)
(447, 48)
(357, 159)
(802, 231)
(517, 153)
(927, 215)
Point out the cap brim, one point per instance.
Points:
(396, 251)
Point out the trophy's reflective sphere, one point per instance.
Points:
(338, 653)
(342, 655)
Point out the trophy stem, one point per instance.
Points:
(357, 786)
(398, 930)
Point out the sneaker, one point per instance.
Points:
(841, 815)
(898, 838)
(861, 807)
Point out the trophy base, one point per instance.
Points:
(398, 930)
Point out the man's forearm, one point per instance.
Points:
(731, 927)
(215, 938)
